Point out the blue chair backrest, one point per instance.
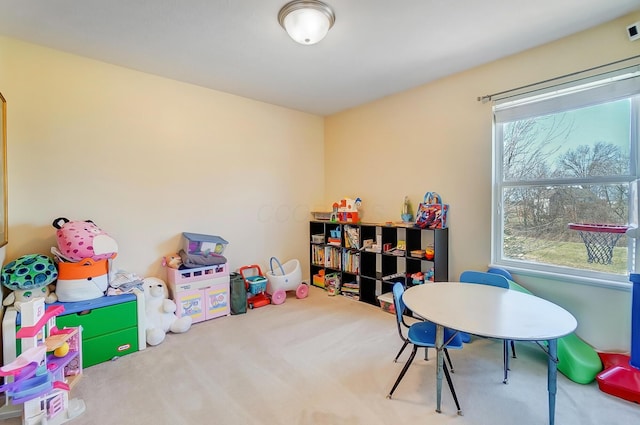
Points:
(398, 290)
(500, 271)
(483, 278)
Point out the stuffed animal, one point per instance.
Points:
(161, 312)
(30, 276)
(173, 261)
(21, 296)
(78, 240)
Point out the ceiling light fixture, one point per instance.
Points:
(307, 22)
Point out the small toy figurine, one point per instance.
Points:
(406, 214)
(173, 261)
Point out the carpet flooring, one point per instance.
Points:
(326, 360)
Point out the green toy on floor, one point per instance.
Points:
(577, 360)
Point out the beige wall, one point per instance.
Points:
(438, 137)
(147, 158)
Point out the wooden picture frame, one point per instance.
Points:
(4, 225)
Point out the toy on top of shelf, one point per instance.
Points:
(161, 312)
(406, 214)
(78, 240)
(196, 243)
(30, 276)
(432, 212)
(201, 250)
(347, 210)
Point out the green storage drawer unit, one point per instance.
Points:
(108, 331)
(109, 346)
(112, 327)
(101, 320)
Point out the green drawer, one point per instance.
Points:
(101, 321)
(104, 348)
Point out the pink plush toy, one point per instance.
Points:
(78, 240)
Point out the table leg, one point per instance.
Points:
(552, 377)
(440, 352)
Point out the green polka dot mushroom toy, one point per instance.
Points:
(29, 277)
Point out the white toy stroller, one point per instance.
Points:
(286, 277)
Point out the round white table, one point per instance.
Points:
(492, 312)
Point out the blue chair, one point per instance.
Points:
(422, 334)
(492, 279)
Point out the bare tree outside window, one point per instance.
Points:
(556, 170)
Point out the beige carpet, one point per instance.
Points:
(325, 360)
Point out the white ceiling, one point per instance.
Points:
(376, 47)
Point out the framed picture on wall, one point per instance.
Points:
(4, 227)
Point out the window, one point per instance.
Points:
(565, 187)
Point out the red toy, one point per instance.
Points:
(256, 285)
(619, 377)
(621, 374)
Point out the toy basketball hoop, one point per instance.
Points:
(599, 239)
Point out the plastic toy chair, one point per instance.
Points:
(422, 334)
(491, 279)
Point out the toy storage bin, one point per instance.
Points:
(181, 276)
(318, 279)
(111, 327)
(386, 302)
(199, 244)
(321, 215)
(257, 284)
(317, 238)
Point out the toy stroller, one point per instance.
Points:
(286, 277)
(256, 285)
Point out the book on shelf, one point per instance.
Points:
(369, 246)
(332, 257)
(350, 290)
(350, 287)
(395, 251)
(351, 261)
(318, 255)
(393, 276)
(352, 237)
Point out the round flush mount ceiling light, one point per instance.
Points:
(307, 22)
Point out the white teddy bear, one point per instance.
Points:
(161, 312)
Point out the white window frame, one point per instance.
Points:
(619, 84)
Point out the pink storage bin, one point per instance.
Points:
(181, 276)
